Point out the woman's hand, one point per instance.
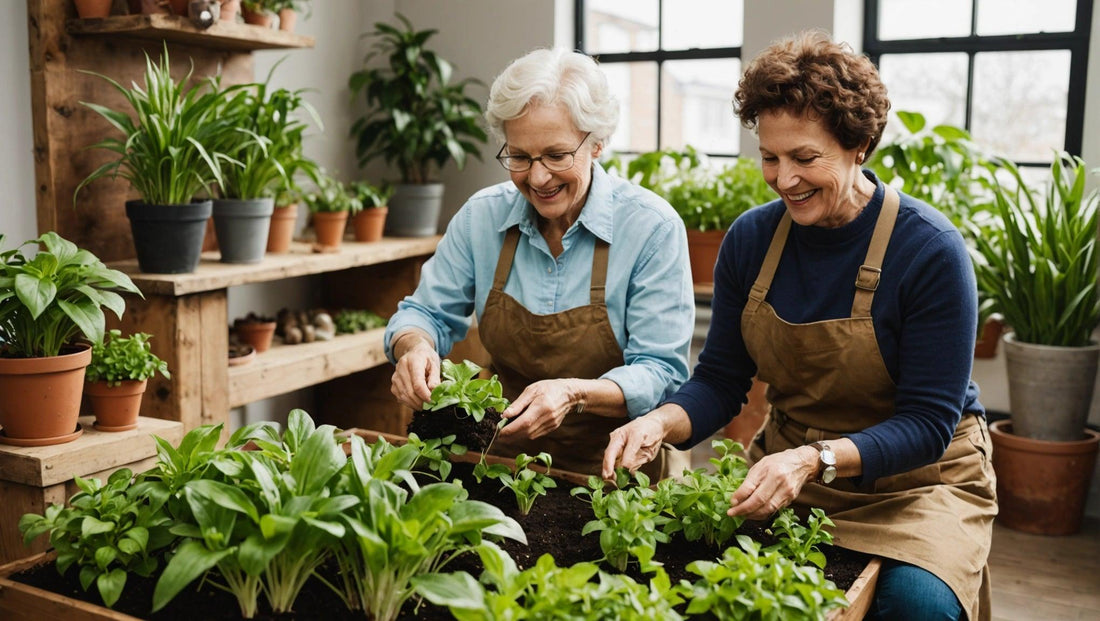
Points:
(417, 370)
(638, 442)
(774, 482)
(540, 409)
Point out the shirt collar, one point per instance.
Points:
(597, 215)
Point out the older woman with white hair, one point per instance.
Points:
(579, 281)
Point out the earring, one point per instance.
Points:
(859, 159)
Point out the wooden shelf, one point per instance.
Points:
(212, 274)
(222, 35)
(284, 368)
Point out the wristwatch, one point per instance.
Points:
(826, 472)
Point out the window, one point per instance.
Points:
(674, 67)
(1012, 72)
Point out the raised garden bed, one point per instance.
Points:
(32, 588)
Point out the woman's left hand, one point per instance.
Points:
(539, 409)
(773, 483)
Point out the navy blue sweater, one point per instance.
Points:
(924, 313)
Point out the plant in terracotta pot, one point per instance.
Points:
(268, 140)
(93, 9)
(257, 13)
(255, 330)
(288, 191)
(1040, 267)
(416, 119)
(289, 11)
(369, 220)
(51, 308)
(329, 206)
(171, 153)
(116, 378)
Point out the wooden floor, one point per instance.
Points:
(1035, 578)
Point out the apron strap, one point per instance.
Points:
(599, 273)
(867, 278)
(771, 260)
(504, 261)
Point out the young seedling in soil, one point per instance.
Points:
(463, 405)
(525, 483)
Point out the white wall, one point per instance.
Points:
(17, 211)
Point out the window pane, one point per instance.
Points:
(998, 17)
(612, 26)
(697, 105)
(932, 84)
(1020, 101)
(701, 23)
(922, 19)
(635, 84)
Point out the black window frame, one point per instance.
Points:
(659, 56)
(1076, 42)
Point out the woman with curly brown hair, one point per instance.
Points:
(857, 305)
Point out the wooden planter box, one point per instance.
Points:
(19, 602)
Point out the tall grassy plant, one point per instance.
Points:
(169, 151)
(1040, 265)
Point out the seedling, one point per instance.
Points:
(460, 387)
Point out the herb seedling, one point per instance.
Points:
(461, 387)
(698, 504)
(119, 358)
(630, 523)
(799, 543)
(525, 483)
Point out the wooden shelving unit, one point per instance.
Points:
(175, 29)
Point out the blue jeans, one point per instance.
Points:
(908, 593)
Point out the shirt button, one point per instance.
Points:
(549, 270)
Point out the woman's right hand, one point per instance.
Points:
(417, 370)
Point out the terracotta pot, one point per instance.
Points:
(258, 334)
(329, 227)
(986, 345)
(369, 223)
(288, 19)
(1042, 485)
(283, 222)
(703, 253)
(744, 426)
(115, 408)
(93, 9)
(262, 18)
(230, 10)
(40, 398)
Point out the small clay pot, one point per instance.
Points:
(369, 224)
(115, 408)
(258, 334)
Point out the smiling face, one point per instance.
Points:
(819, 180)
(556, 196)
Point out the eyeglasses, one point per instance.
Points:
(554, 162)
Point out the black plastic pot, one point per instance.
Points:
(168, 238)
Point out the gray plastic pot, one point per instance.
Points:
(242, 226)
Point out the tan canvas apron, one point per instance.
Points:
(827, 378)
(578, 342)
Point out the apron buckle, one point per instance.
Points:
(868, 277)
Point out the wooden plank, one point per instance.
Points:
(222, 35)
(22, 602)
(213, 350)
(94, 451)
(212, 274)
(284, 368)
(860, 594)
(18, 500)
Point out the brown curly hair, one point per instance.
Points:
(809, 73)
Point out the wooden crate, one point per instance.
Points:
(33, 478)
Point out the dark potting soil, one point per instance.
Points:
(475, 436)
(553, 526)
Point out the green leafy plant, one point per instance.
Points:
(434, 454)
(330, 195)
(460, 387)
(350, 321)
(1039, 265)
(416, 116)
(51, 299)
(749, 583)
(800, 543)
(707, 194)
(630, 523)
(546, 591)
(697, 504)
(107, 531)
(172, 150)
(120, 358)
(371, 196)
(525, 483)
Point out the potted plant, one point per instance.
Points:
(1039, 268)
(93, 9)
(369, 220)
(416, 120)
(945, 168)
(288, 11)
(329, 205)
(116, 378)
(268, 141)
(255, 330)
(51, 309)
(257, 13)
(169, 153)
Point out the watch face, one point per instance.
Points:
(828, 474)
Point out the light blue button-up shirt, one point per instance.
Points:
(649, 295)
